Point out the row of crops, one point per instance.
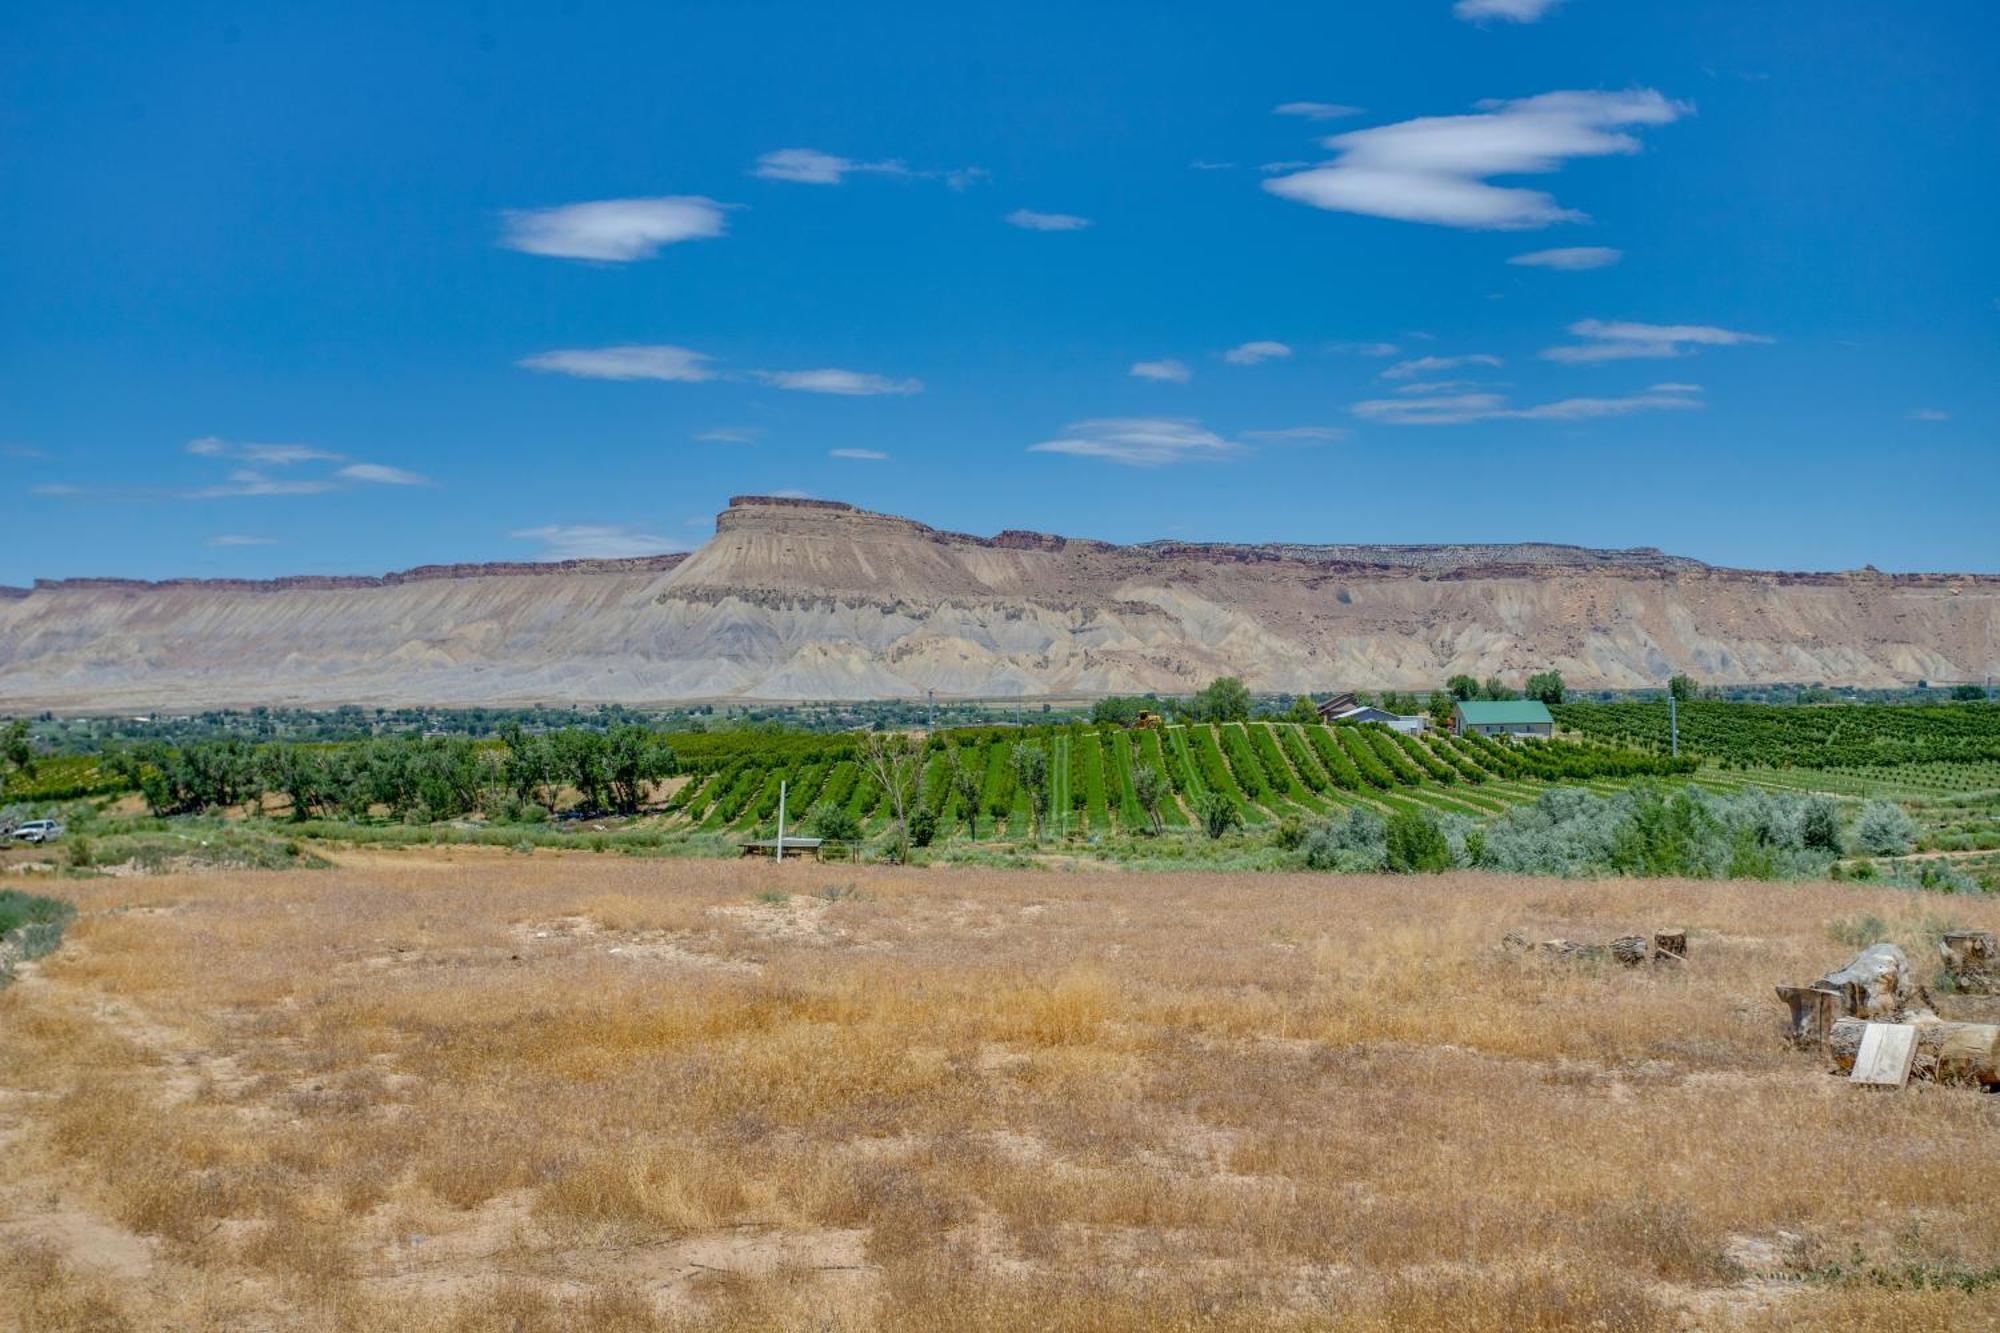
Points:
(1267, 770)
(1836, 736)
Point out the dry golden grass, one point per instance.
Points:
(461, 1091)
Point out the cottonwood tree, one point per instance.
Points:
(1546, 686)
(17, 755)
(895, 760)
(965, 783)
(1224, 699)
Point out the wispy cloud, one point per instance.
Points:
(1929, 414)
(595, 541)
(1029, 219)
(1299, 435)
(1315, 110)
(23, 451)
(1459, 409)
(381, 474)
(1166, 371)
(612, 230)
(730, 435)
(236, 539)
(1364, 349)
(1250, 353)
(1572, 259)
(858, 455)
(249, 481)
(1514, 11)
(1203, 164)
(285, 455)
(810, 166)
(54, 488)
(1436, 169)
(1431, 365)
(1141, 441)
(207, 446)
(1623, 340)
(848, 383)
(632, 361)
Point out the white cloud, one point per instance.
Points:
(249, 481)
(208, 446)
(1166, 371)
(1315, 110)
(615, 230)
(628, 362)
(1250, 353)
(858, 455)
(792, 493)
(1203, 164)
(54, 488)
(730, 435)
(1033, 221)
(235, 539)
(1435, 169)
(284, 455)
(1427, 365)
(1929, 414)
(1434, 387)
(809, 166)
(1573, 259)
(849, 383)
(1623, 340)
(1299, 435)
(1674, 387)
(595, 541)
(381, 474)
(1141, 441)
(1458, 409)
(1365, 349)
(1515, 11)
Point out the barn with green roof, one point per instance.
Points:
(1502, 717)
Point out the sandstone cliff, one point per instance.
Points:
(814, 600)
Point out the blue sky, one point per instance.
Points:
(354, 288)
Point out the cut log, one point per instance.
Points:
(1946, 1052)
(1670, 944)
(1877, 983)
(1630, 950)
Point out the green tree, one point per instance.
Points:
(965, 783)
(1415, 844)
(834, 823)
(1884, 829)
(895, 760)
(1968, 693)
(1030, 763)
(1682, 687)
(1462, 687)
(1546, 686)
(1303, 711)
(1150, 787)
(17, 755)
(1218, 813)
(1119, 711)
(1441, 706)
(1495, 688)
(1224, 699)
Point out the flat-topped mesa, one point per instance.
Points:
(332, 582)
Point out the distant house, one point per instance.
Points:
(1347, 708)
(1502, 717)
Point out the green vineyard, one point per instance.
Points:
(1839, 736)
(1270, 771)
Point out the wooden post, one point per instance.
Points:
(781, 820)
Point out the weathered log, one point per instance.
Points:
(1946, 1052)
(1630, 950)
(1670, 944)
(1877, 983)
(1971, 959)
(1813, 1011)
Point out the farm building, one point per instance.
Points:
(1509, 717)
(1347, 708)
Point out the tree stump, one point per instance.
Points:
(1946, 1052)
(1670, 944)
(1813, 1012)
(1971, 960)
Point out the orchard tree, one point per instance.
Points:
(895, 759)
(1303, 711)
(1031, 775)
(1218, 813)
(1150, 787)
(965, 783)
(1681, 687)
(1225, 699)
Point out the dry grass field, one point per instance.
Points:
(459, 1091)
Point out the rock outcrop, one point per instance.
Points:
(800, 599)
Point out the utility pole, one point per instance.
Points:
(930, 720)
(780, 854)
(1674, 720)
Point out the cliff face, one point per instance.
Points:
(814, 600)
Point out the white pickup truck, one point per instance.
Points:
(38, 830)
